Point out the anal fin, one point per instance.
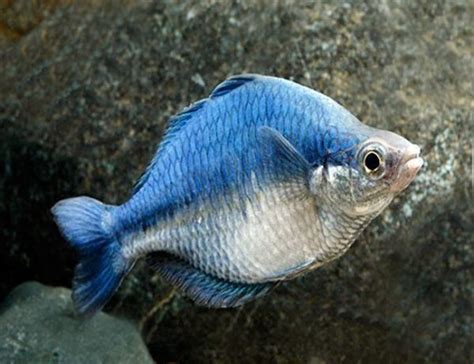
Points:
(205, 289)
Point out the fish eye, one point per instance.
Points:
(372, 162)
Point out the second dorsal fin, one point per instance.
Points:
(178, 121)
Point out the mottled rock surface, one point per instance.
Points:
(38, 325)
(84, 98)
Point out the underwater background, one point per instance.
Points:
(86, 89)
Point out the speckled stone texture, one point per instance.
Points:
(38, 325)
(85, 94)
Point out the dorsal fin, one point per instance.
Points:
(205, 289)
(231, 84)
(178, 121)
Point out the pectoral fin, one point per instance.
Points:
(283, 164)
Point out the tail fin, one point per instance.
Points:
(86, 225)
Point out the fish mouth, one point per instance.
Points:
(409, 166)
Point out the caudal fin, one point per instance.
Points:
(86, 225)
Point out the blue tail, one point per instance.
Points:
(86, 225)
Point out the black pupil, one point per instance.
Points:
(372, 161)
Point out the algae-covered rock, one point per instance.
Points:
(39, 325)
(85, 96)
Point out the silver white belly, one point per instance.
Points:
(260, 239)
(271, 235)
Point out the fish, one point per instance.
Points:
(262, 181)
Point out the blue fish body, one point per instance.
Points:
(229, 205)
(211, 146)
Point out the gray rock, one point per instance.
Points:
(38, 325)
(85, 96)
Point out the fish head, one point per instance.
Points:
(382, 164)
